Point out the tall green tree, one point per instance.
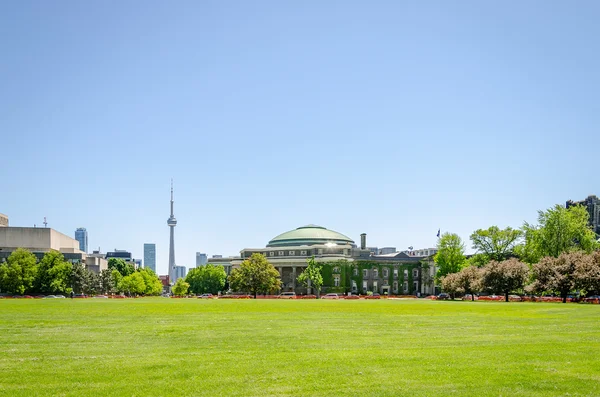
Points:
(81, 279)
(54, 273)
(559, 230)
(152, 283)
(450, 257)
(116, 279)
(133, 284)
(495, 243)
(18, 274)
(106, 281)
(181, 287)
(312, 276)
(206, 279)
(255, 275)
(123, 267)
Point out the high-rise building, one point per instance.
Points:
(121, 254)
(172, 222)
(179, 272)
(592, 205)
(138, 263)
(82, 236)
(201, 259)
(387, 250)
(150, 256)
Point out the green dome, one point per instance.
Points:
(309, 235)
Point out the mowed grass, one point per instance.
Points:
(192, 347)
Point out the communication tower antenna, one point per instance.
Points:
(45, 223)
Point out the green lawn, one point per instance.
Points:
(192, 347)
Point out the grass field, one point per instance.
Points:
(192, 347)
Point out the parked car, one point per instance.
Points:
(206, 296)
(331, 296)
(287, 295)
(50, 297)
(443, 296)
(80, 296)
(101, 296)
(59, 296)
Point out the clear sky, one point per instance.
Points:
(393, 118)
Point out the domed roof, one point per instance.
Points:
(309, 235)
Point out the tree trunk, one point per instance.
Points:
(564, 297)
(472, 297)
(506, 296)
(254, 294)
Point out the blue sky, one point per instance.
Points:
(392, 118)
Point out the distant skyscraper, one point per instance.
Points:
(179, 272)
(172, 222)
(138, 263)
(592, 205)
(201, 259)
(82, 237)
(150, 256)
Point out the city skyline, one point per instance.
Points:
(394, 119)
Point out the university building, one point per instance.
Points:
(346, 266)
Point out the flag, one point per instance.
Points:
(438, 235)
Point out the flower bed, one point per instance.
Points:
(351, 297)
(307, 297)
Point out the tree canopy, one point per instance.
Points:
(152, 284)
(255, 275)
(450, 257)
(18, 274)
(206, 279)
(54, 273)
(560, 230)
(505, 277)
(121, 266)
(133, 284)
(495, 243)
(181, 287)
(311, 276)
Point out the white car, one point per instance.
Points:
(331, 296)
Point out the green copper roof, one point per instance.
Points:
(309, 235)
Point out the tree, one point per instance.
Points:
(133, 284)
(312, 276)
(54, 273)
(107, 283)
(116, 277)
(564, 274)
(450, 257)
(495, 243)
(467, 281)
(123, 267)
(206, 279)
(81, 279)
(255, 275)
(18, 274)
(181, 287)
(587, 274)
(152, 283)
(505, 277)
(560, 230)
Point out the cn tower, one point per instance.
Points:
(172, 222)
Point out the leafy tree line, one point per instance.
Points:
(22, 273)
(556, 256)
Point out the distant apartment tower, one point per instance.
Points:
(201, 259)
(387, 250)
(180, 272)
(121, 254)
(82, 236)
(150, 256)
(374, 250)
(592, 205)
(421, 252)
